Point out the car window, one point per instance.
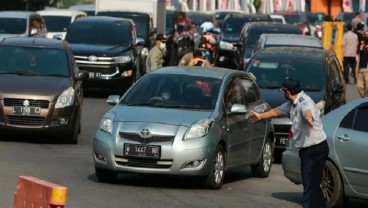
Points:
(234, 94)
(57, 23)
(254, 35)
(13, 25)
(250, 91)
(118, 33)
(334, 73)
(34, 61)
(356, 119)
(271, 73)
(175, 91)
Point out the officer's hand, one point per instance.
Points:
(309, 122)
(253, 116)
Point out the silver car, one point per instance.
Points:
(346, 171)
(185, 121)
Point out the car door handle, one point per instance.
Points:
(343, 138)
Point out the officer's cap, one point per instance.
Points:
(293, 86)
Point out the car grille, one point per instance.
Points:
(143, 162)
(20, 102)
(154, 138)
(25, 120)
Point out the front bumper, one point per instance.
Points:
(177, 156)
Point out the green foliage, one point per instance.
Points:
(68, 3)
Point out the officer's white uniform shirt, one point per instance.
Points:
(303, 135)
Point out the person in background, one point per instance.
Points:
(310, 139)
(350, 46)
(155, 58)
(362, 75)
(359, 18)
(187, 58)
(199, 60)
(37, 28)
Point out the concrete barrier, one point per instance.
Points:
(35, 193)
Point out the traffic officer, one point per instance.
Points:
(155, 59)
(309, 138)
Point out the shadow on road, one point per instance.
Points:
(33, 139)
(100, 93)
(294, 197)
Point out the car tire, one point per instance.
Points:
(215, 177)
(73, 137)
(332, 186)
(105, 176)
(263, 167)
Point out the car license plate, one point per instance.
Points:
(26, 111)
(284, 141)
(94, 74)
(147, 151)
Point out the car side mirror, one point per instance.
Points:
(58, 36)
(337, 88)
(239, 44)
(238, 109)
(82, 75)
(153, 31)
(113, 99)
(139, 41)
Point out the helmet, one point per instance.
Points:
(207, 26)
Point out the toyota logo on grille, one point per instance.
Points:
(145, 133)
(92, 58)
(26, 103)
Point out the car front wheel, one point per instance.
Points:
(215, 177)
(332, 186)
(263, 167)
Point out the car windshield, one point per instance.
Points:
(254, 35)
(174, 91)
(140, 21)
(198, 19)
(293, 19)
(270, 74)
(13, 25)
(118, 33)
(233, 26)
(34, 61)
(57, 23)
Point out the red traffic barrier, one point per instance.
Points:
(35, 193)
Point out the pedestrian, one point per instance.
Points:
(359, 18)
(155, 58)
(199, 60)
(362, 75)
(350, 47)
(309, 138)
(187, 58)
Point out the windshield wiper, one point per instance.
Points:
(23, 73)
(271, 87)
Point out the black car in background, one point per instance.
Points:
(317, 70)
(108, 48)
(221, 15)
(252, 31)
(226, 55)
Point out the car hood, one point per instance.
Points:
(97, 50)
(31, 86)
(177, 117)
(275, 98)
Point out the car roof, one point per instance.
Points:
(60, 12)
(276, 25)
(291, 39)
(294, 53)
(246, 15)
(33, 42)
(16, 14)
(84, 7)
(214, 72)
(103, 19)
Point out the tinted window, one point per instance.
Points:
(348, 120)
(175, 91)
(233, 26)
(103, 33)
(57, 23)
(34, 61)
(13, 25)
(271, 73)
(250, 91)
(361, 120)
(293, 19)
(234, 94)
(334, 73)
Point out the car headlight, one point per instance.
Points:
(321, 107)
(226, 46)
(65, 99)
(122, 59)
(199, 129)
(145, 52)
(107, 121)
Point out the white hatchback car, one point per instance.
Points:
(58, 20)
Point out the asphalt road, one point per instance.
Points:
(72, 166)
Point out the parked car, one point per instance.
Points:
(90, 9)
(197, 126)
(278, 18)
(346, 171)
(277, 40)
(41, 88)
(318, 72)
(230, 37)
(58, 20)
(108, 48)
(21, 24)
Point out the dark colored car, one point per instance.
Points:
(252, 31)
(41, 88)
(317, 70)
(108, 48)
(345, 16)
(220, 16)
(231, 31)
(199, 18)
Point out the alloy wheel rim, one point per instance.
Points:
(267, 157)
(219, 167)
(327, 184)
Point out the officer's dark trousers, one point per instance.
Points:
(313, 160)
(349, 62)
